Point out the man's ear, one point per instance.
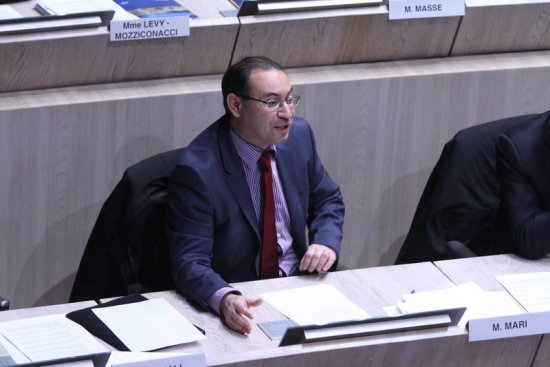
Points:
(234, 104)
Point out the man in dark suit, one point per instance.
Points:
(523, 165)
(215, 219)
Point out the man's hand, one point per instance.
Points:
(318, 258)
(235, 310)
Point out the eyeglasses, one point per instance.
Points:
(273, 104)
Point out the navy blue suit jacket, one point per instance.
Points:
(212, 228)
(523, 165)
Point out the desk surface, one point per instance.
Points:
(372, 289)
(483, 270)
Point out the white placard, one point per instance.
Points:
(509, 326)
(414, 9)
(149, 28)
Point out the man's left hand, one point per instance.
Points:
(318, 258)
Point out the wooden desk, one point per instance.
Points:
(86, 56)
(483, 270)
(343, 36)
(372, 289)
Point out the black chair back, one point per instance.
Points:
(127, 251)
(461, 198)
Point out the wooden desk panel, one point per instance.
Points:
(343, 37)
(66, 58)
(542, 358)
(491, 26)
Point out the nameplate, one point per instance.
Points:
(509, 326)
(149, 28)
(414, 9)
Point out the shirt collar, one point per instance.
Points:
(249, 153)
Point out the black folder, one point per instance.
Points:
(88, 319)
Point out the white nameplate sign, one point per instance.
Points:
(414, 9)
(149, 28)
(509, 326)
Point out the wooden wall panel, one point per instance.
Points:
(342, 37)
(503, 26)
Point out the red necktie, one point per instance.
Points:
(269, 261)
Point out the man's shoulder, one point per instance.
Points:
(300, 123)
(203, 148)
(300, 129)
(533, 127)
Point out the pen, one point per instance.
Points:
(200, 329)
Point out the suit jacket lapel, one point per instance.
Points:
(235, 176)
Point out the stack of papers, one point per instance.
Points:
(64, 7)
(46, 338)
(478, 303)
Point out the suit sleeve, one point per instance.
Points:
(325, 217)
(190, 232)
(529, 224)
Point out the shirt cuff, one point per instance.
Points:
(216, 298)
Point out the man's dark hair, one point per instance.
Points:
(237, 78)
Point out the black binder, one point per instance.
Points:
(88, 319)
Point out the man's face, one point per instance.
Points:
(253, 122)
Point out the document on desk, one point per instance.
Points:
(315, 305)
(531, 290)
(47, 338)
(148, 325)
(478, 303)
(7, 12)
(62, 7)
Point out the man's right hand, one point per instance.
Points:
(235, 311)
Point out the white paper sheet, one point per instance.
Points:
(531, 290)
(478, 303)
(315, 305)
(62, 7)
(7, 12)
(49, 337)
(148, 325)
